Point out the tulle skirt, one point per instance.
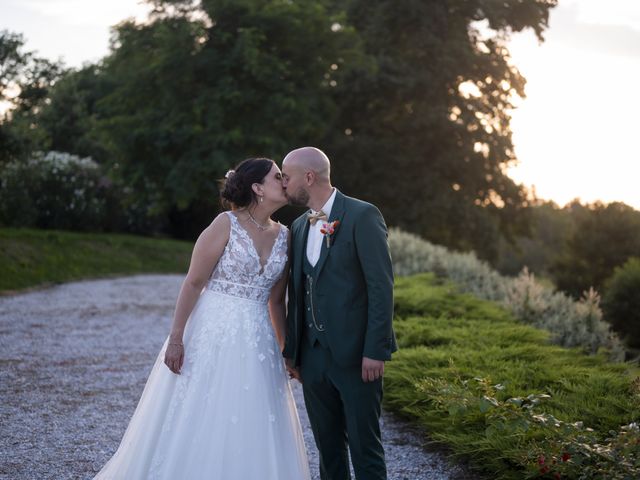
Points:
(229, 415)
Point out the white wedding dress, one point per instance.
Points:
(230, 414)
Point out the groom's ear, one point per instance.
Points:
(310, 177)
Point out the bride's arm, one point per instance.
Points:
(277, 302)
(206, 253)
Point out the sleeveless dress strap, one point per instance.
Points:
(233, 231)
(232, 217)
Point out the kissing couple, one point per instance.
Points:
(218, 404)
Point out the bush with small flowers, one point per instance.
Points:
(54, 190)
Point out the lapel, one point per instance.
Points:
(300, 248)
(337, 212)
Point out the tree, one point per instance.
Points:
(190, 98)
(12, 60)
(70, 116)
(550, 229)
(25, 83)
(430, 126)
(603, 237)
(621, 303)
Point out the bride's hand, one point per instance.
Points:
(174, 357)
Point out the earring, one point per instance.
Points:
(261, 199)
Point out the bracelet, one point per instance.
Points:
(179, 344)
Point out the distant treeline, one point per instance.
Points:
(575, 247)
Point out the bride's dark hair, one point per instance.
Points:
(236, 188)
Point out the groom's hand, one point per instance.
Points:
(372, 369)
(293, 371)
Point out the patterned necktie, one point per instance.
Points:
(314, 217)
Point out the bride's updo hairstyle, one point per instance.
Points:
(236, 188)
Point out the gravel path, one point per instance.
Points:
(74, 360)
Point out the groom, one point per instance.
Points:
(339, 330)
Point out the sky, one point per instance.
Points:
(75, 30)
(575, 134)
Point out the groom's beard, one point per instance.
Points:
(298, 199)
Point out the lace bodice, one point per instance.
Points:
(239, 272)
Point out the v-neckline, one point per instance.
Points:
(253, 245)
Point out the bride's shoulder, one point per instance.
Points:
(282, 226)
(221, 225)
(223, 218)
(214, 238)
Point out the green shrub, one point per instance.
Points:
(621, 302)
(534, 442)
(571, 323)
(54, 190)
(447, 339)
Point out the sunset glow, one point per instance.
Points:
(576, 134)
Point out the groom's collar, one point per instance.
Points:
(337, 214)
(326, 208)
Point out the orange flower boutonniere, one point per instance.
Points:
(328, 229)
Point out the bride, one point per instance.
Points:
(223, 408)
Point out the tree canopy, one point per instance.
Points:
(431, 125)
(26, 81)
(602, 238)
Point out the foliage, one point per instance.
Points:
(541, 445)
(577, 246)
(188, 98)
(571, 323)
(550, 229)
(603, 238)
(447, 339)
(621, 302)
(54, 190)
(25, 83)
(11, 59)
(71, 117)
(435, 113)
(31, 258)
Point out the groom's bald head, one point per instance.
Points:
(306, 177)
(310, 159)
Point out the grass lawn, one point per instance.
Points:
(447, 338)
(31, 258)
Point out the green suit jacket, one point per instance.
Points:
(353, 294)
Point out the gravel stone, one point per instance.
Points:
(74, 360)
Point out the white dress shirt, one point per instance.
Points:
(315, 238)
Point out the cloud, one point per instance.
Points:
(83, 12)
(611, 39)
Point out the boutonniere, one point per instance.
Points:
(328, 229)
